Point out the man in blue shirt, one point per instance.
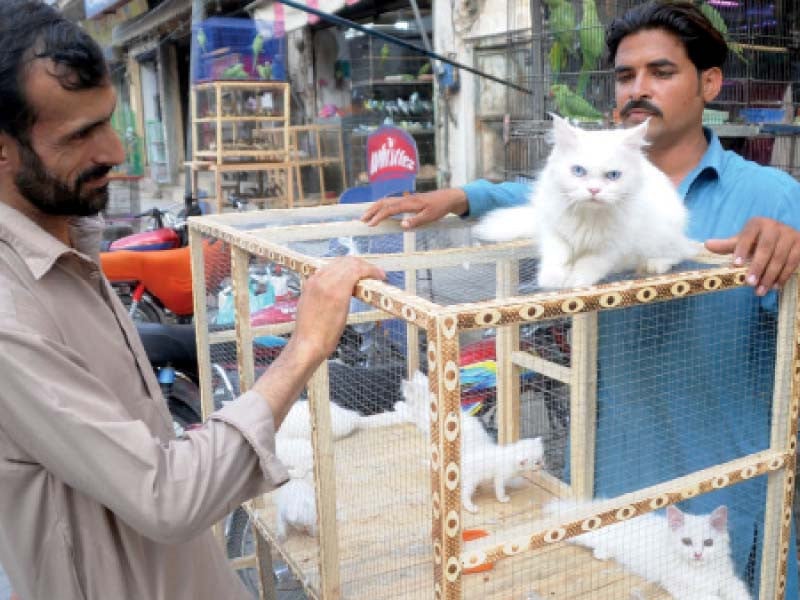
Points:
(686, 384)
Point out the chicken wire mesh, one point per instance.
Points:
(663, 399)
(561, 60)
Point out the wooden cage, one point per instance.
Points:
(388, 502)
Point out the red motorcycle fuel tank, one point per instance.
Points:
(158, 239)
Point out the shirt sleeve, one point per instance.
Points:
(484, 196)
(65, 419)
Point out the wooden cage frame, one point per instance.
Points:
(443, 324)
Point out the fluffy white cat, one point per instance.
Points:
(482, 460)
(599, 207)
(295, 502)
(344, 421)
(687, 555)
(498, 464)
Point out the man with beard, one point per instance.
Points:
(97, 497)
(692, 393)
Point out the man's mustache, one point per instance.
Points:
(640, 105)
(97, 172)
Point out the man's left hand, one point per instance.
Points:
(772, 247)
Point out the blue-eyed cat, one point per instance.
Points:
(687, 555)
(599, 207)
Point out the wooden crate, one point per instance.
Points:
(388, 500)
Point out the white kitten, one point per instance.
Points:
(296, 508)
(687, 555)
(344, 421)
(481, 458)
(295, 501)
(416, 409)
(599, 207)
(498, 464)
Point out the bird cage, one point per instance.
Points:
(592, 404)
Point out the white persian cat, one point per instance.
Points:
(687, 555)
(482, 459)
(599, 207)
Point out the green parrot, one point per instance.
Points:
(558, 59)
(712, 14)
(562, 23)
(257, 45)
(572, 106)
(265, 70)
(592, 40)
(235, 72)
(201, 39)
(385, 50)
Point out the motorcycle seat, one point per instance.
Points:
(169, 344)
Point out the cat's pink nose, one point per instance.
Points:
(594, 191)
(698, 555)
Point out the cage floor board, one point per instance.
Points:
(384, 471)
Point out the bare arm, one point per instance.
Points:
(427, 207)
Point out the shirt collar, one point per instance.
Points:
(38, 249)
(710, 163)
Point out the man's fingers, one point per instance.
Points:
(746, 242)
(722, 246)
(792, 263)
(774, 267)
(765, 244)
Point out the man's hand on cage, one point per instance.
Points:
(426, 207)
(772, 248)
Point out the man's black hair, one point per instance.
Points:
(29, 30)
(705, 45)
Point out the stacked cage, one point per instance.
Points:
(476, 437)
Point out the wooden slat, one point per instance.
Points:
(412, 332)
(508, 373)
(583, 403)
(325, 482)
(240, 277)
(783, 431)
(531, 362)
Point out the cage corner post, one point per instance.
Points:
(445, 440)
(325, 482)
(783, 438)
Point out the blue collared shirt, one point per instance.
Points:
(688, 384)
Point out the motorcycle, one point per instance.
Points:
(151, 271)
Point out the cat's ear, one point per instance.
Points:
(675, 518)
(564, 134)
(635, 136)
(719, 518)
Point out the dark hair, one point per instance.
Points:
(705, 45)
(29, 30)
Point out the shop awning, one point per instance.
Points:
(161, 17)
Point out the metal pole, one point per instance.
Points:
(198, 16)
(395, 40)
(537, 64)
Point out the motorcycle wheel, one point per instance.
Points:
(239, 542)
(183, 395)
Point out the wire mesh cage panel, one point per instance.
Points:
(474, 436)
